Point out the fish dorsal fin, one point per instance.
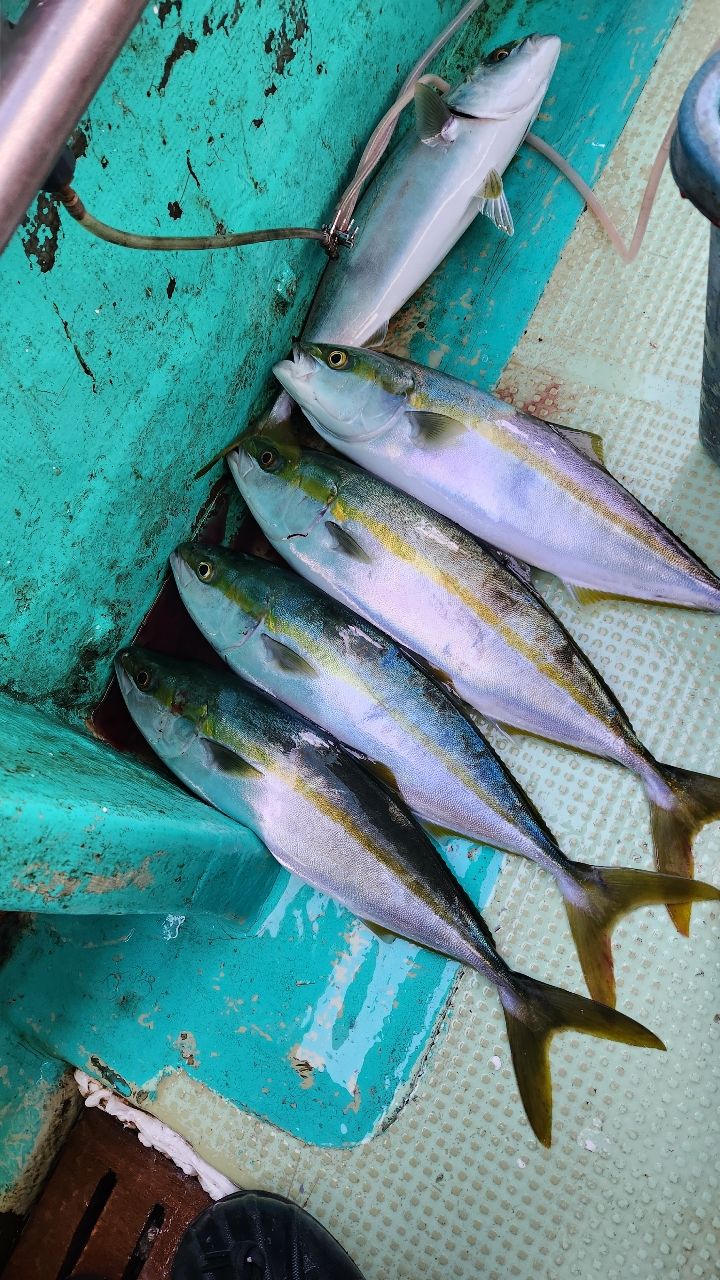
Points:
(435, 428)
(587, 595)
(588, 442)
(346, 542)
(229, 761)
(492, 201)
(286, 658)
(520, 568)
(433, 116)
(377, 338)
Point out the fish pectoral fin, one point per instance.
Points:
(587, 595)
(377, 338)
(286, 658)
(385, 935)
(346, 542)
(588, 442)
(434, 428)
(492, 201)
(229, 761)
(432, 116)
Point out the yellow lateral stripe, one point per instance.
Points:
(400, 547)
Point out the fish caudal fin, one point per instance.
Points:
(534, 1011)
(595, 899)
(675, 819)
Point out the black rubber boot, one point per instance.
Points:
(255, 1235)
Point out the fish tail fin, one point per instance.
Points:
(534, 1012)
(595, 899)
(694, 799)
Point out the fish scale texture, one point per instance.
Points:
(456, 1186)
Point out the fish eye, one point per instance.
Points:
(267, 459)
(204, 571)
(142, 679)
(503, 51)
(337, 359)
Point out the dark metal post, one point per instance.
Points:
(695, 163)
(52, 64)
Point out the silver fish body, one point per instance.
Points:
(426, 196)
(298, 645)
(484, 630)
(325, 819)
(536, 490)
(302, 647)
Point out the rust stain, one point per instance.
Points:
(80, 357)
(186, 1046)
(166, 7)
(183, 44)
(40, 231)
(302, 1067)
(52, 885)
(292, 30)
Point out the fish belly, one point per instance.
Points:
(417, 209)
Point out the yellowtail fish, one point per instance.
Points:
(435, 182)
(534, 489)
(298, 645)
(484, 630)
(327, 820)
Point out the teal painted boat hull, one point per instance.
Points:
(162, 937)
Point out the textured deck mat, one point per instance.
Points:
(456, 1186)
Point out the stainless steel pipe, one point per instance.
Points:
(51, 64)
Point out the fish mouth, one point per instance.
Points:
(240, 463)
(181, 570)
(297, 370)
(123, 679)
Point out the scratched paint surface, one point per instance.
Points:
(123, 373)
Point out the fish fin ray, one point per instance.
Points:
(435, 428)
(432, 116)
(229, 761)
(347, 542)
(587, 442)
(587, 595)
(696, 801)
(534, 1012)
(607, 894)
(286, 658)
(377, 338)
(492, 202)
(385, 935)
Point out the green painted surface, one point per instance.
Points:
(84, 829)
(123, 373)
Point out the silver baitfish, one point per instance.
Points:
(534, 489)
(481, 627)
(434, 183)
(327, 820)
(299, 645)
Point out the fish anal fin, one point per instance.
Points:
(286, 658)
(229, 761)
(435, 428)
(385, 935)
(588, 595)
(492, 202)
(433, 118)
(346, 542)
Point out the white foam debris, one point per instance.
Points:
(153, 1133)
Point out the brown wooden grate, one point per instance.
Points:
(110, 1210)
